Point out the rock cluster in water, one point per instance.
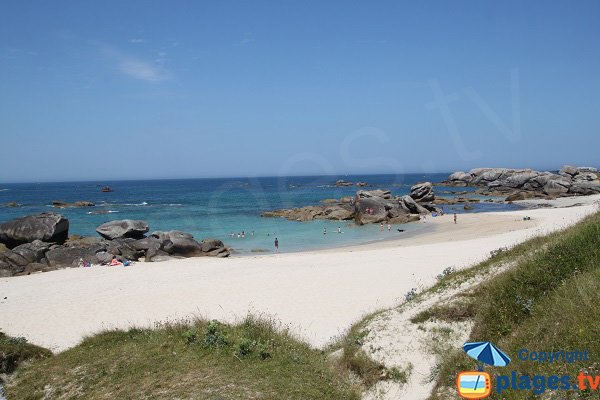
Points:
(520, 184)
(367, 207)
(64, 204)
(41, 243)
(343, 183)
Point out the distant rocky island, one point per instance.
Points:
(39, 243)
(519, 184)
(376, 206)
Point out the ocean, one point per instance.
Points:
(218, 208)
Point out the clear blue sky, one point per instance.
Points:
(159, 89)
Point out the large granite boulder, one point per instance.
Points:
(70, 255)
(459, 178)
(126, 228)
(18, 260)
(181, 243)
(184, 244)
(422, 192)
(568, 170)
(538, 182)
(585, 177)
(372, 210)
(209, 245)
(409, 204)
(585, 188)
(34, 251)
(124, 248)
(336, 213)
(485, 175)
(47, 227)
(150, 242)
(516, 180)
(377, 193)
(557, 187)
(378, 206)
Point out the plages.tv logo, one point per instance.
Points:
(477, 384)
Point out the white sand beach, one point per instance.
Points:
(318, 294)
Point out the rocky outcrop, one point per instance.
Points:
(39, 255)
(18, 260)
(342, 183)
(62, 204)
(585, 188)
(339, 211)
(177, 243)
(47, 227)
(528, 183)
(126, 228)
(422, 192)
(366, 207)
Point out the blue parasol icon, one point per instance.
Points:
(486, 353)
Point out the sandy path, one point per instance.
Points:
(320, 294)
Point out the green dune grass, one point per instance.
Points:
(206, 360)
(549, 301)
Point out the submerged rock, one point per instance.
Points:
(62, 204)
(343, 183)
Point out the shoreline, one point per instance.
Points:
(318, 294)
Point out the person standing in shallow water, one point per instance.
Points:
(276, 246)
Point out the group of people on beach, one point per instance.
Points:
(114, 262)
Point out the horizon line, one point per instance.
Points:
(245, 177)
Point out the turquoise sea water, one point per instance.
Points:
(219, 207)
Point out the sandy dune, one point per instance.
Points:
(319, 294)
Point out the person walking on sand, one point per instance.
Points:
(454, 217)
(276, 246)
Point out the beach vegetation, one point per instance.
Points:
(446, 273)
(16, 350)
(410, 295)
(353, 357)
(255, 359)
(546, 300)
